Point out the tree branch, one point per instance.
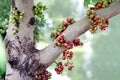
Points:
(51, 52)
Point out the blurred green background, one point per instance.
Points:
(98, 59)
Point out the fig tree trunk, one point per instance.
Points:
(20, 45)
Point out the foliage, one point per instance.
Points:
(4, 9)
(39, 19)
(4, 15)
(37, 32)
(38, 11)
(87, 2)
(2, 59)
(3, 27)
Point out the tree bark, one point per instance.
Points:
(21, 50)
(24, 61)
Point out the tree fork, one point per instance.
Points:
(22, 64)
(24, 61)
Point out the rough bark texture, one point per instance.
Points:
(24, 61)
(21, 51)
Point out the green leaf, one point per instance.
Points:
(86, 3)
(94, 1)
(2, 58)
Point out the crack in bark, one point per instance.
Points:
(13, 49)
(14, 61)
